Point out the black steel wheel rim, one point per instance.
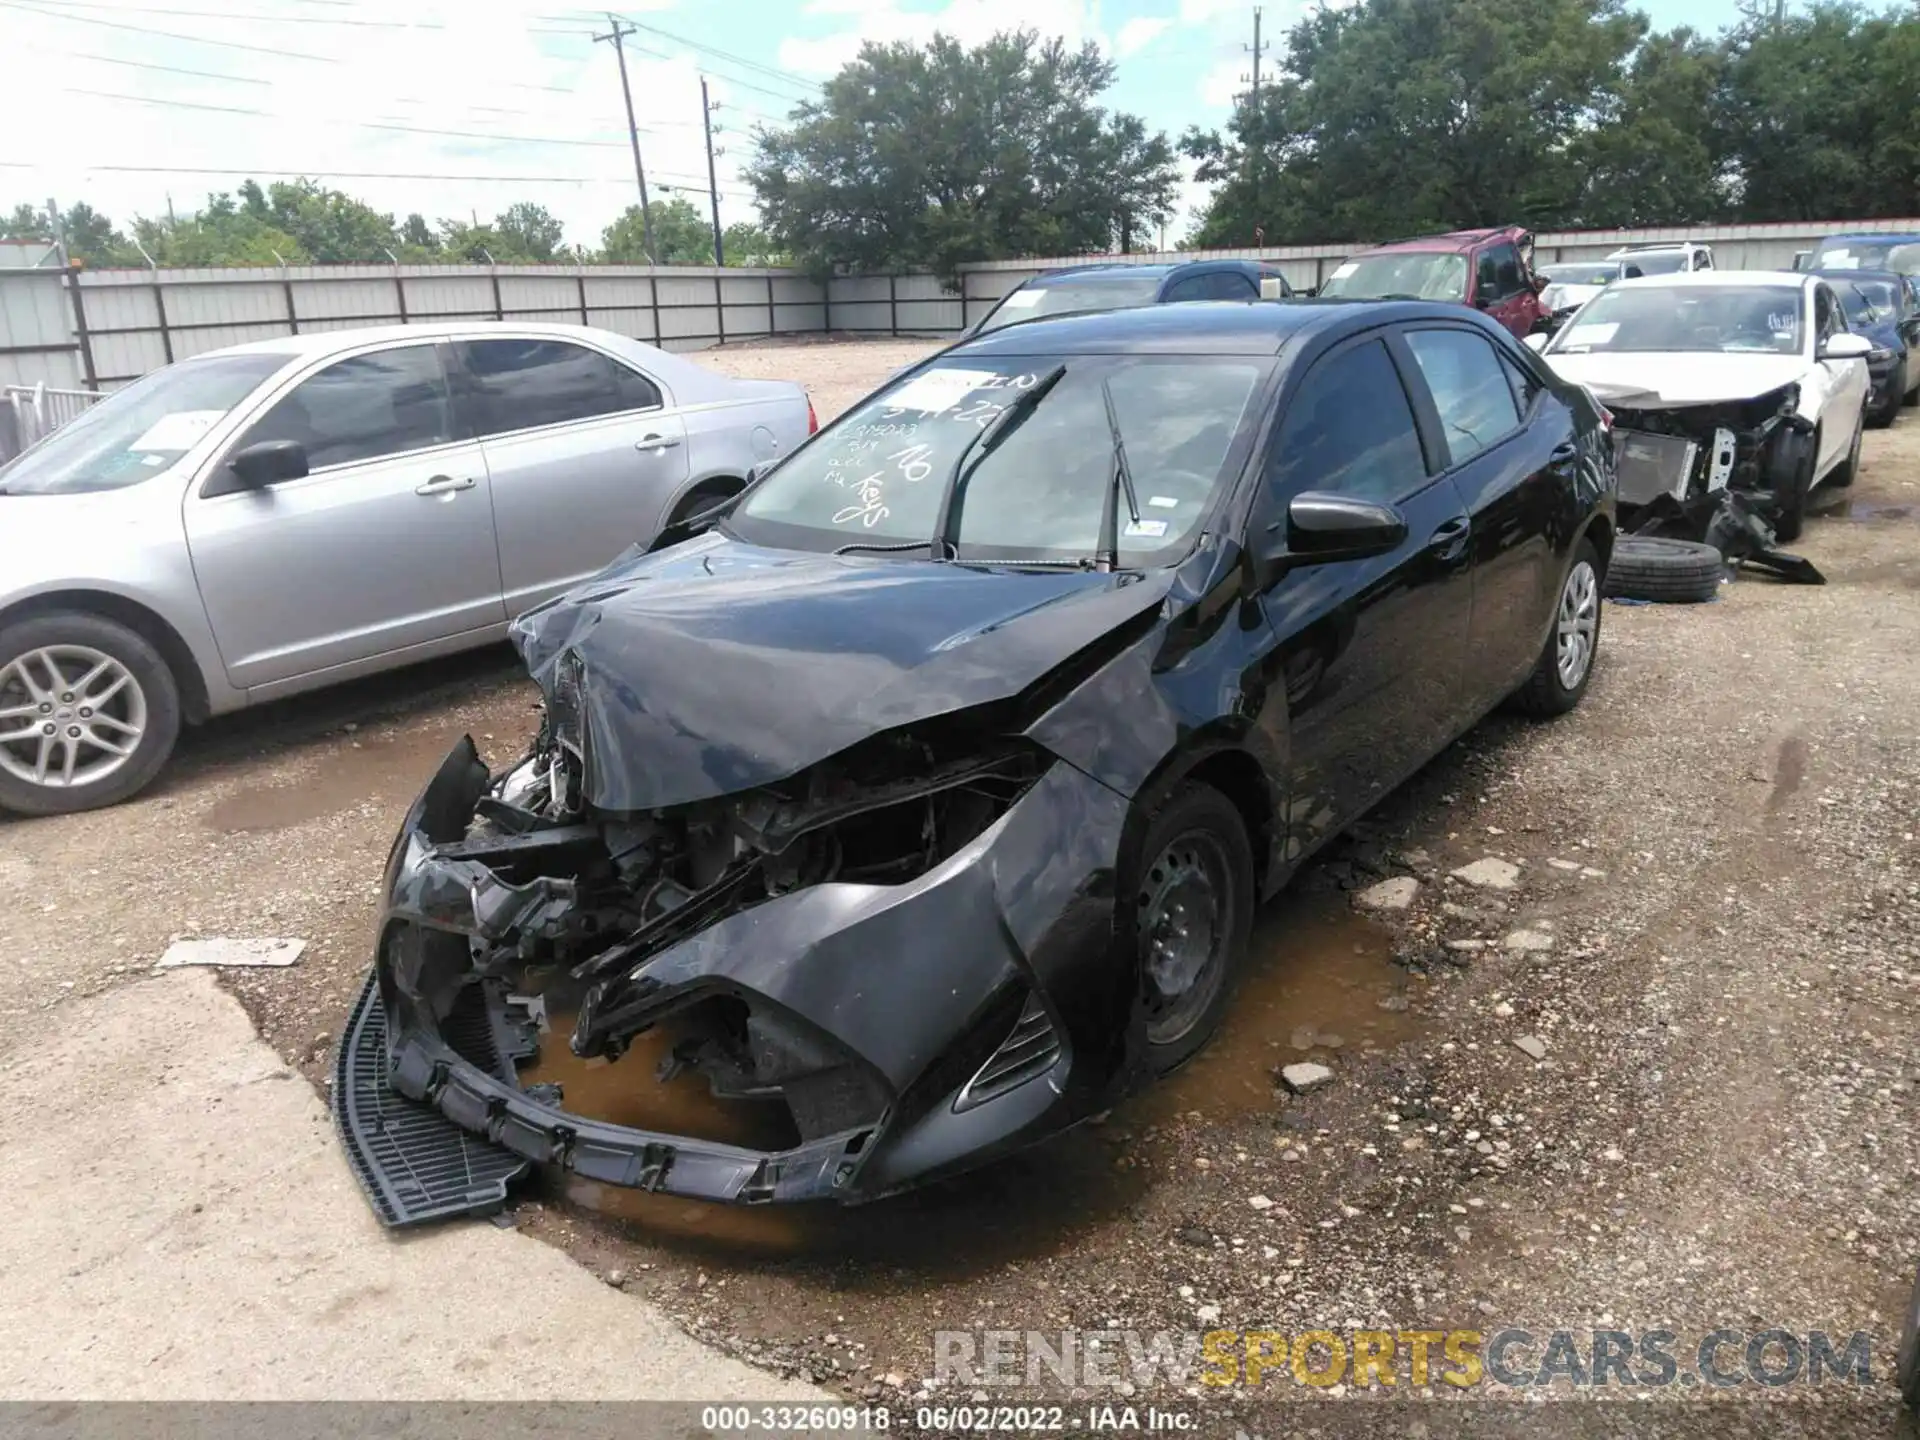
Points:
(1183, 915)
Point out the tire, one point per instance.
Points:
(1844, 472)
(1907, 1357)
(1888, 412)
(705, 495)
(1565, 668)
(1670, 572)
(1790, 509)
(140, 709)
(1193, 851)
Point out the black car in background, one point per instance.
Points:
(926, 798)
(1114, 285)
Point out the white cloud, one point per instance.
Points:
(969, 21)
(1223, 80)
(494, 70)
(1198, 12)
(1138, 33)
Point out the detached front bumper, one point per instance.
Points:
(977, 1007)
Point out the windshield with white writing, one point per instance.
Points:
(1763, 319)
(1073, 297)
(876, 477)
(1901, 254)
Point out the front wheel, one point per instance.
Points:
(1561, 675)
(1843, 475)
(1186, 912)
(89, 713)
(1907, 1357)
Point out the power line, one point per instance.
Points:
(145, 65)
(254, 17)
(168, 34)
(360, 124)
(773, 71)
(321, 173)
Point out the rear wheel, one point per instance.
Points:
(1907, 1358)
(1186, 912)
(1565, 666)
(703, 496)
(89, 713)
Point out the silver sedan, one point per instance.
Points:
(275, 517)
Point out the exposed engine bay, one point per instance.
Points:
(1721, 473)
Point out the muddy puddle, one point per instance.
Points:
(348, 773)
(1861, 509)
(1312, 990)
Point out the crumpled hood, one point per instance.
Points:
(1641, 381)
(1558, 297)
(715, 666)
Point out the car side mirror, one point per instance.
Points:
(1539, 283)
(1846, 346)
(269, 462)
(1322, 527)
(1537, 341)
(760, 470)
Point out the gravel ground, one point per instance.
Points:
(1719, 978)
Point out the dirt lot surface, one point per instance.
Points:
(1712, 948)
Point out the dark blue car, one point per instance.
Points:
(1079, 289)
(1885, 307)
(919, 807)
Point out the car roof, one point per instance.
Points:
(1104, 270)
(1870, 235)
(1709, 279)
(1205, 327)
(324, 342)
(1452, 241)
(1890, 277)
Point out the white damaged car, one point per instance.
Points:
(1728, 389)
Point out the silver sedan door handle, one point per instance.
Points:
(656, 442)
(444, 485)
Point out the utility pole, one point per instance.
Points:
(620, 32)
(707, 107)
(1257, 130)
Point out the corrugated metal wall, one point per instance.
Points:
(137, 320)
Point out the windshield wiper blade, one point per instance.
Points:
(880, 547)
(984, 440)
(1122, 480)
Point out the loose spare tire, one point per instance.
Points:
(1672, 572)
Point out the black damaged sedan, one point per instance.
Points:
(927, 795)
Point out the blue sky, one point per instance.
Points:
(459, 108)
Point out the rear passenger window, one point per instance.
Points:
(1474, 398)
(1349, 430)
(1526, 389)
(522, 384)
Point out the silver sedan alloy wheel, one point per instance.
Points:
(70, 715)
(1578, 623)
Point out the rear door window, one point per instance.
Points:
(1472, 394)
(364, 407)
(1350, 430)
(524, 384)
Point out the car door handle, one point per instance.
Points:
(1449, 542)
(656, 442)
(445, 485)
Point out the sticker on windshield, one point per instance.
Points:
(1025, 299)
(1840, 260)
(938, 390)
(1150, 529)
(177, 431)
(1163, 502)
(1340, 272)
(1596, 334)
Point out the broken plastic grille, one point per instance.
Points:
(414, 1164)
(1029, 1050)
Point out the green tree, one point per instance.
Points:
(224, 233)
(1818, 113)
(681, 235)
(934, 155)
(26, 222)
(328, 225)
(530, 231)
(93, 239)
(750, 244)
(1653, 155)
(1398, 116)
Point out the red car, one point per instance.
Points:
(1490, 270)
